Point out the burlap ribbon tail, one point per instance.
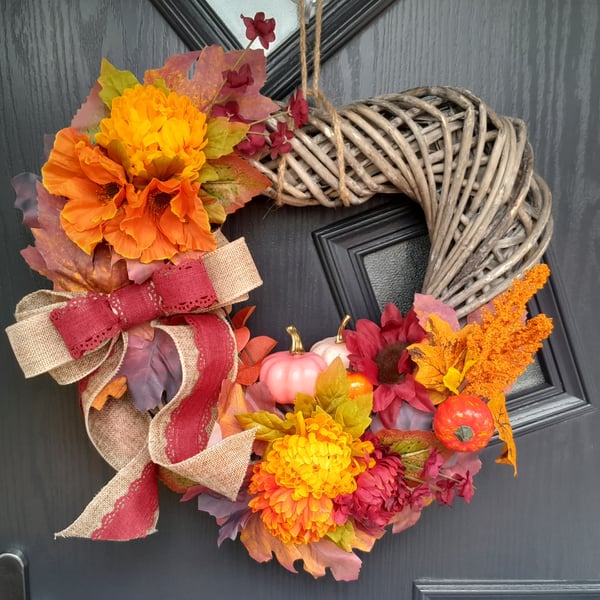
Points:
(136, 445)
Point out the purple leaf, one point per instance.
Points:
(153, 370)
(24, 185)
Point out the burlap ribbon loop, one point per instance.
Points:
(39, 348)
(175, 440)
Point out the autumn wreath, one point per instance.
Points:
(307, 455)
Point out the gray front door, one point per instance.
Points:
(529, 58)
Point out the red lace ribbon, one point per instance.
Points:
(86, 321)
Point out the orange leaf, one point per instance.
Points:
(241, 316)
(497, 406)
(247, 375)
(242, 335)
(442, 350)
(114, 389)
(232, 402)
(257, 349)
(237, 182)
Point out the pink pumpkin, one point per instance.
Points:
(290, 372)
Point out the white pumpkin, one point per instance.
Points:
(332, 347)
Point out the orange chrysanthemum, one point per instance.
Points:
(155, 134)
(165, 218)
(95, 186)
(301, 474)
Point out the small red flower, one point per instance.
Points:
(238, 81)
(230, 110)
(261, 28)
(298, 109)
(254, 141)
(280, 140)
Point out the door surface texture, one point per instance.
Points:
(537, 535)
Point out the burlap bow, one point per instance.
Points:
(132, 442)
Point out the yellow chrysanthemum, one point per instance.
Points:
(301, 474)
(155, 134)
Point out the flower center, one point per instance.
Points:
(387, 363)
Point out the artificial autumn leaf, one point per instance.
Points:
(25, 186)
(214, 209)
(425, 305)
(354, 414)
(414, 447)
(91, 112)
(305, 404)
(251, 352)
(251, 357)
(237, 182)
(241, 316)
(222, 136)
(406, 518)
(152, 368)
(113, 389)
(60, 260)
(442, 350)
(332, 387)
(317, 556)
(497, 406)
(269, 426)
(331, 394)
(114, 82)
(343, 536)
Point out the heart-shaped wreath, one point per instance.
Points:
(306, 455)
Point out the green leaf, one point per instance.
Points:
(223, 136)
(305, 404)
(233, 181)
(343, 536)
(215, 211)
(354, 414)
(332, 387)
(114, 82)
(208, 173)
(270, 426)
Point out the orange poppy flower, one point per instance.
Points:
(93, 184)
(164, 218)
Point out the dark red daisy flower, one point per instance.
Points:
(380, 353)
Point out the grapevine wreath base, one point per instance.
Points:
(305, 455)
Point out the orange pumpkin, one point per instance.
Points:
(463, 423)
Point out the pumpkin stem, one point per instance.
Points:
(297, 347)
(464, 433)
(338, 338)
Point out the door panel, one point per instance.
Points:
(530, 58)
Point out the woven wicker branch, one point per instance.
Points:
(488, 214)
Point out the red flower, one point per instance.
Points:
(254, 141)
(280, 140)
(380, 354)
(230, 110)
(238, 81)
(261, 28)
(298, 109)
(381, 492)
